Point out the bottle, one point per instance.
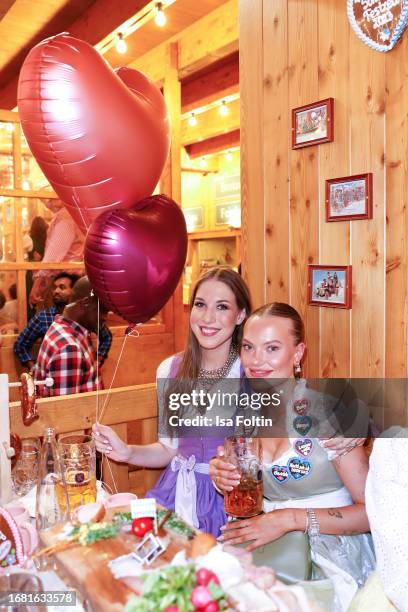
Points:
(52, 503)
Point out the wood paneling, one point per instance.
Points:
(306, 51)
(210, 123)
(213, 145)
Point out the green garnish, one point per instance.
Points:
(89, 533)
(170, 586)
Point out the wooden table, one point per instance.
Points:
(85, 568)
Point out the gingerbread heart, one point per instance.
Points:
(378, 23)
(303, 446)
(280, 473)
(299, 468)
(302, 424)
(11, 545)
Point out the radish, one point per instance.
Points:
(204, 576)
(201, 597)
(172, 609)
(211, 607)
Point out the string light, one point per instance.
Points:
(192, 120)
(224, 110)
(121, 46)
(160, 18)
(228, 156)
(203, 163)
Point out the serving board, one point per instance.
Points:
(86, 568)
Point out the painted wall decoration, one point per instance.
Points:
(378, 23)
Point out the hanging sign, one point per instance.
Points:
(378, 23)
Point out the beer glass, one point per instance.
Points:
(77, 454)
(246, 499)
(25, 472)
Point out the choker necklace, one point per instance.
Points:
(220, 372)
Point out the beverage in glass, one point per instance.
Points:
(246, 499)
(78, 460)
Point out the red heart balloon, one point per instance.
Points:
(134, 257)
(101, 138)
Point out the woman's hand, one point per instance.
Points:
(109, 443)
(223, 474)
(260, 529)
(342, 446)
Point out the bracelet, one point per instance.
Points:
(312, 525)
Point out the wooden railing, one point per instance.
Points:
(130, 411)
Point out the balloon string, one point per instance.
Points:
(107, 462)
(87, 226)
(99, 419)
(97, 371)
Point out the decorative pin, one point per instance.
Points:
(299, 468)
(302, 424)
(303, 446)
(301, 406)
(280, 473)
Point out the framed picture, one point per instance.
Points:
(329, 286)
(312, 124)
(349, 198)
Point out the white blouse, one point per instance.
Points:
(387, 509)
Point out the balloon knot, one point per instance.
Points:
(132, 331)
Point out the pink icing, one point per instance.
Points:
(16, 535)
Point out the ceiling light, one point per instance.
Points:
(203, 163)
(160, 18)
(224, 110)
(192, 120)
(121, 46)
(228, 156)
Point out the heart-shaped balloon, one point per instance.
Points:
(134, 257)
(378, 23)
(101, 138)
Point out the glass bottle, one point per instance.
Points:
(52, 504)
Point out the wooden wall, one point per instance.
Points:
(294, 52)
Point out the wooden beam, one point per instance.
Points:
(88, 20)
(73, 412)
(196, 48)
(213, 145)
(210, 84)
(210, 124)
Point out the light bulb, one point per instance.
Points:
(160, 18)
(228, 156)
(224, 110)
(192, 120)
(121, 46)
(203, 163)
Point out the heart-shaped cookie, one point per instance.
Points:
(299, 468)
(101, 138)
(11, 545)
(134, 258)
(378, 23)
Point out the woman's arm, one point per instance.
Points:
(347, 520)
(155, 455)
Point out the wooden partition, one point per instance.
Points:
(130, 411)
(292, 53)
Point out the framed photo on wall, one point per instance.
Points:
(313, 124)
(329, 286)
(349, 198)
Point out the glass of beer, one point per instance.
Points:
(246, 499)
(78, 462)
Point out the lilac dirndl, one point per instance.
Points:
(185, 485)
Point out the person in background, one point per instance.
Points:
(39, 324)
(64, 243)
(66, 353)
(8, 314)
(38, 237)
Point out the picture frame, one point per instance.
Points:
(349, 198)
(313, 124)
(330, 286)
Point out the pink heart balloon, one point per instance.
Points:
(101, 138)
(134, 257)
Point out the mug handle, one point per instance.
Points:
(32, 537)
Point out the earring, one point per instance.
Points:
(297, 369)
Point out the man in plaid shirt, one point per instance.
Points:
(66, 353)
(38, 325)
